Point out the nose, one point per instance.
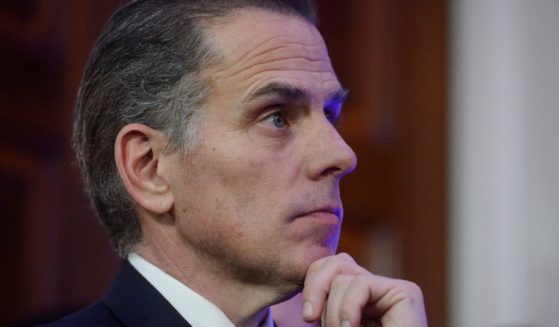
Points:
(329, 154)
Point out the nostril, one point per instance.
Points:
(331, 171)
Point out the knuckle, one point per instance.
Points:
(314, 267)
(339, 280)
(363, 279)
(411, 291)
(413, 287)
(346, 312)
(346, 257)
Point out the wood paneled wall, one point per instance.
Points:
(389, 53)
(392, 56)
(57, 252)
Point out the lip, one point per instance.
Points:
(323, 212)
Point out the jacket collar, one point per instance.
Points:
(137, 303)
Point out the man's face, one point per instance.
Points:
(259, 198)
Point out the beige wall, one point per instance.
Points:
(505, 160)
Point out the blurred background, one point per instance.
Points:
(453, 114)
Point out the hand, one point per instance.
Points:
(347, 295)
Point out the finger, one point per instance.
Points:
(318, 280)
(359, 295)
(394, 302)
(342, 258)
(402, 304)
(338, 290)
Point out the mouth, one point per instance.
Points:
(328, 212)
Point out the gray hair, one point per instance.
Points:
(146, 68)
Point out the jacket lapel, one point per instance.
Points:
(137, 303)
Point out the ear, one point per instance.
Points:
(140, 161)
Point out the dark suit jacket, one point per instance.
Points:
(131, 301)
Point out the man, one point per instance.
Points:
(205, 131)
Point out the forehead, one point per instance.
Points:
(256, 47)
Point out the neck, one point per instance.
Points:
(171, 256)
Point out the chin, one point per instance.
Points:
(315, 253)
(321, 252)
(293, 278)
(297, 261)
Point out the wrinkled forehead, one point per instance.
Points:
(256, 48)
(255, 32)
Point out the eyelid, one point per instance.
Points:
(273, 110)
(335, 111)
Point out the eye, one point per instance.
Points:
(332, 113)
(277, 119)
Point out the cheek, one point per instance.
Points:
(237, 182)
(254, 171)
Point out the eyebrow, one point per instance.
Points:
(293, 93)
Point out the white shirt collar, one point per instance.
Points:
(193, 307)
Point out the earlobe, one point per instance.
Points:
(138, 156)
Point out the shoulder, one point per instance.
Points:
(97, 314)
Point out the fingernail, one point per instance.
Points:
(308, 310)
(346, 323)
